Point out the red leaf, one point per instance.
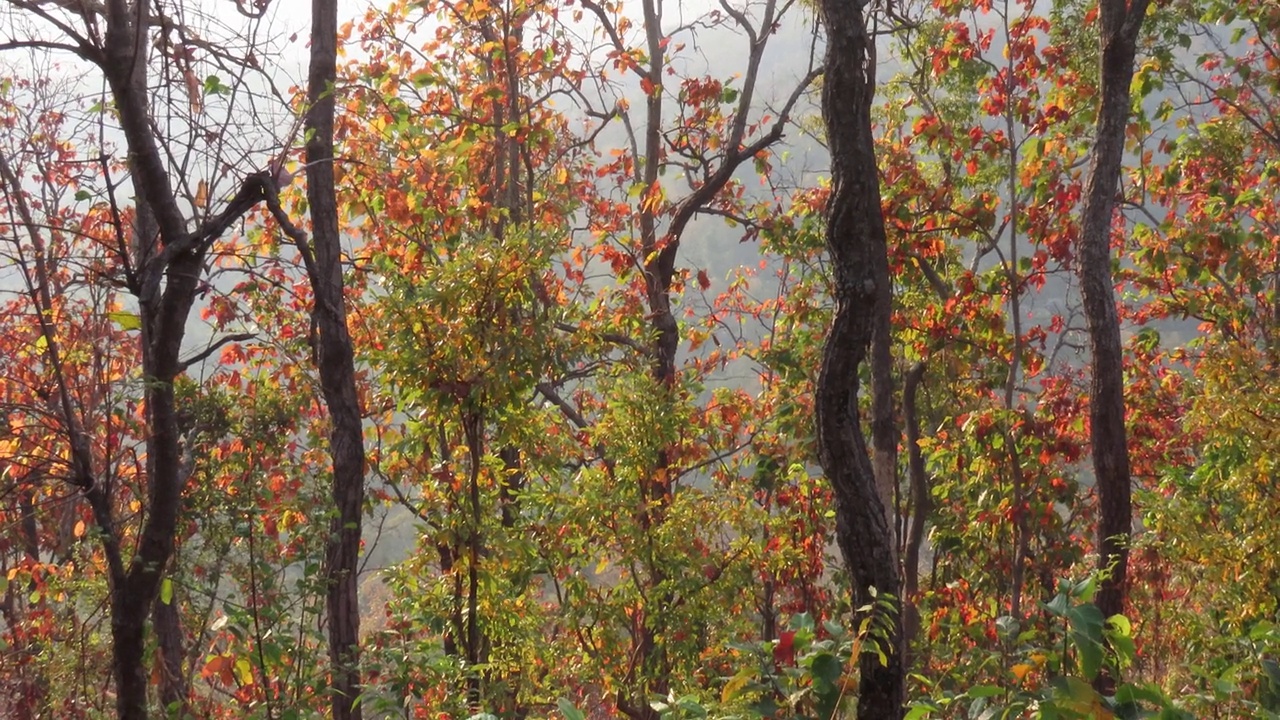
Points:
(784, 653)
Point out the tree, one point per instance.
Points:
(1119, 25)
(336, 364)
(859, 258)
(157, 250)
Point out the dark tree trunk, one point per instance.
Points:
(174, 693)
(164, 265)
(1119, 28)
(884, 429)
(857, 245)
(336, 366)
(164, 314)
(921, 503)
(337, 369)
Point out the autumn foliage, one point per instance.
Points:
(587, 276)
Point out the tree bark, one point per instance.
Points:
(1119, 27)
(884, 429)
(174, 690)
(921, 504)
(336, 365)
(164, 315)
(856, 241)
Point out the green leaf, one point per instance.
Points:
(921, 710)
(1141, 693)
(1086, 630)
(569, 711)
(1272, 669)
(1008, 625)
(166, 591)
(213, 85)
(1077, 696)
(826, 669)
(984, 691)
(126, 320)
(1057, 606)
(803, 621)
(1085, 589)
(690, 705)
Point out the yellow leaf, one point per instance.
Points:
(126, 320)
(735, 685)
(78, 530)
(1020, 670)
(244, 671)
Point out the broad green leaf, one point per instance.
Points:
(126, 320)
(569, 711)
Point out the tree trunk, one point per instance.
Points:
(164, 315)
(856, 241)
(921, 504)
(1119, 27)
(884, 431)
(174, 693)
(336, 366)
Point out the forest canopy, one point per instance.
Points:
(648, 359)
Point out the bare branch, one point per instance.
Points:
(214, 347)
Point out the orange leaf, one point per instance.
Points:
(222, 667)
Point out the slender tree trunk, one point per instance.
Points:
(1119, 27)
(164, 315)
(336, 366)
(165, 262)
(921, 504)
(856, 242)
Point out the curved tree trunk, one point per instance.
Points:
(1119, 26)
(856, 242)
(336, 366)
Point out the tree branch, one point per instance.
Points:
(213, 347)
